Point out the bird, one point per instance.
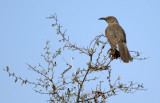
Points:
(116, 36)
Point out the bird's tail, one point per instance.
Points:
(124, 53)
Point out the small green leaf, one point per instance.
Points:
(118, 78)
(25, 81)
(15, 80)
(7, 68)
(22, 83)
(126, 89)
(95, 78)
(55, 63)
(145, 58)
(68, 91)
(97, 43)
(91, 49)
(113, 91)
(138, 53)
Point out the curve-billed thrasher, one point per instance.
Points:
(116, 36)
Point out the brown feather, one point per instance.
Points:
(124, 53)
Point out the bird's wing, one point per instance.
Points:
(119, 33)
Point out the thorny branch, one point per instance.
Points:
(72, 89)
(64, 38)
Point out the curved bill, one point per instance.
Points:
(102, 19)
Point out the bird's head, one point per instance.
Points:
(109, 19)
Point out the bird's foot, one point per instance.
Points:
(113, 53)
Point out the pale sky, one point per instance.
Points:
(25, 29)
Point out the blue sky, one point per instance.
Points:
(25, 29)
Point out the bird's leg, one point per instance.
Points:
(109, 51)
